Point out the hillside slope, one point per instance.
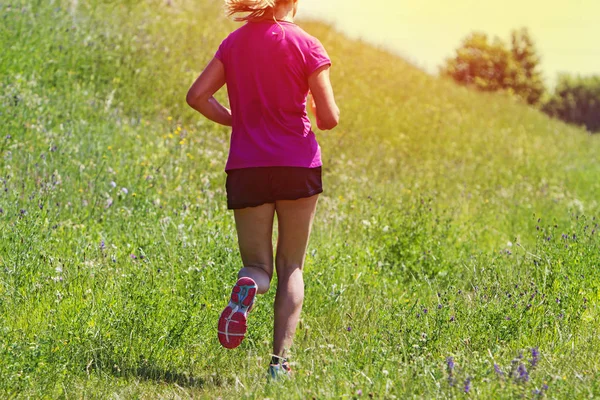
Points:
(454, 223)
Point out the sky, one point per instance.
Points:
(426, 32)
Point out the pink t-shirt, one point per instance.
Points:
(266, 69)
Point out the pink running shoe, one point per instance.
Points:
(232, 323)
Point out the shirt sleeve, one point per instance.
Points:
(221, 51)
(316, 57)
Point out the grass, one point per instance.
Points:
(454, 224)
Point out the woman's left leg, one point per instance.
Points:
(255, 228)
(255, 238)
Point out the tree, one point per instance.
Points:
(528, 82)
(576, 100)
(493, 67)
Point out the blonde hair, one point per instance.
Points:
(255, 9)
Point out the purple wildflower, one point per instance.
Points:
(124, 190)
(102, 245)
(498, 370)
(359, 392)
(23, 212)
(452, 319)
(439, 306)
(133, 257)
(349, 329)
(535, 357)
(507, 318)
(468, 385)
(450, 362)
(544, 387)
(523, 374)
(1, 210)
(425, 311)
(8, 137)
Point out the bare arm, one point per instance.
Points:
(200, 96)
(324, 107)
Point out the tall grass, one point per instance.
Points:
(454, 224)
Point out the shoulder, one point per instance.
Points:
(302, 35)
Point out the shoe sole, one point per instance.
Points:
(233, 320)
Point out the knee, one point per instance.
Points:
(260, 274)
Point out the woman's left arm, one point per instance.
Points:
(200, 96)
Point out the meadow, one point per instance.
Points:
(455, 251)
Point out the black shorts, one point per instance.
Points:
(252, 187)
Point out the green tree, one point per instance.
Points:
(491, 66)
(576, 100)
(528, 83)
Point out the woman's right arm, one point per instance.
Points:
(327, 111)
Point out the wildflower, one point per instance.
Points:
(439, 306)
(452, 319)
(359, 392)
(535, 357)
(1, 210)
(523, 374)
(23, 212)
(133, 257)
(450, 368)
(124, 190)
(8, 137)
(349, 329)
(498, 370)
(113, 184)
(507, 318)
(102, 245)
(467, 384)
(425, 311)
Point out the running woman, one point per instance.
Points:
(274, 166)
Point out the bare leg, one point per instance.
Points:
(295, 221)
(255, 234)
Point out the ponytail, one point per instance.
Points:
(255, 9)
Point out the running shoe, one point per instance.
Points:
(279, 371)
(232, 323)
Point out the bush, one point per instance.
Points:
(576, 100)
(493, 67)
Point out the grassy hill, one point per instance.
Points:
(454, 224)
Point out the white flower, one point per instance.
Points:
(124, 190)
(113, 184)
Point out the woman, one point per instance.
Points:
(274, 164)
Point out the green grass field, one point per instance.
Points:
(454, 224)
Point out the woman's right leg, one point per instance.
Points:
(294, 219)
